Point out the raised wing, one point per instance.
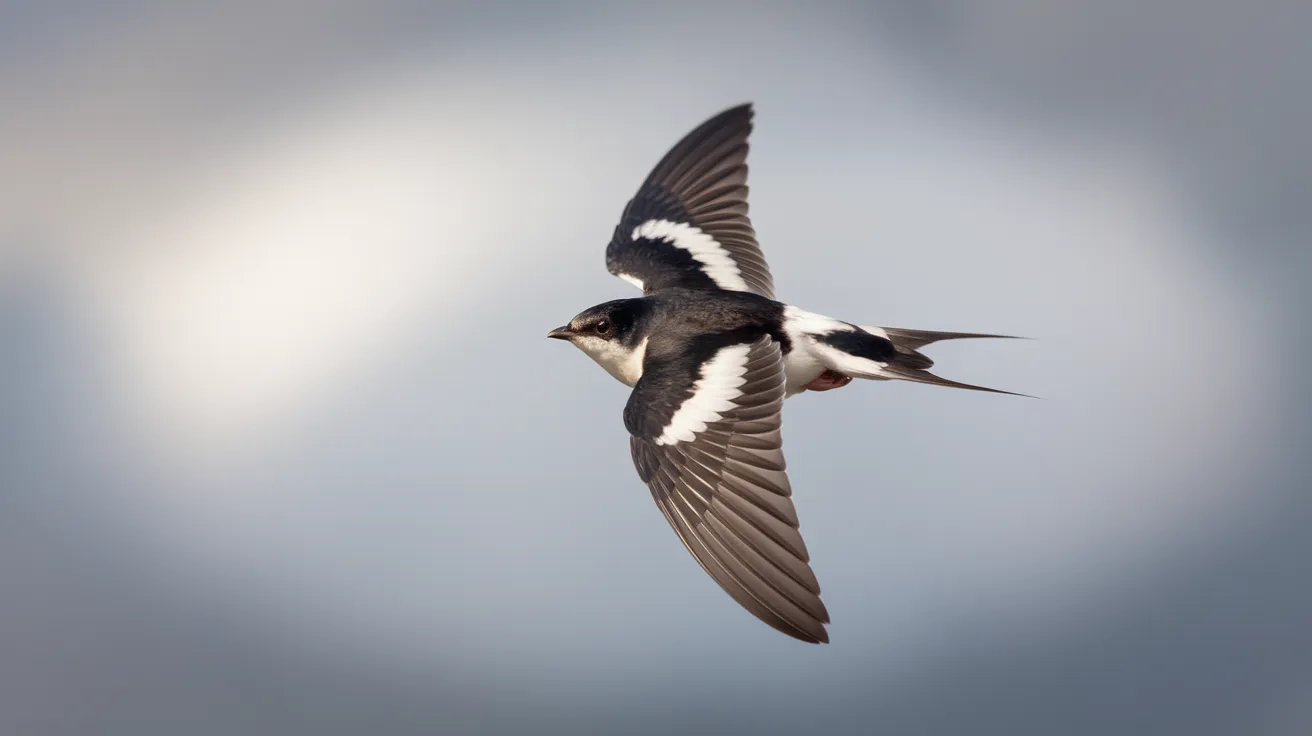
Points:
(687, 225)
(706, 441)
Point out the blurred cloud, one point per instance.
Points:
(311, 250)
(285, 449)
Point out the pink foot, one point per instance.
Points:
(827, 380)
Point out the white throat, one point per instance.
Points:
(623, 363)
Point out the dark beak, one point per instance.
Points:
(561, 333)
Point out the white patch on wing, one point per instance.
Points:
(721, 380)
(633, 280)
(717, 263)
(621, 362)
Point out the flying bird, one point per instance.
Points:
(711, 355)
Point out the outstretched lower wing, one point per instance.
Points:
(688, 226)
(706, 441)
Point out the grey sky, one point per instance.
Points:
(273, 462)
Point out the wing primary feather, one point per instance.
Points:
(727, 581)
(783, 577)
(782, 608)
(700, 182)
(725, 491)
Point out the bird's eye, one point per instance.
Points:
(602, 327)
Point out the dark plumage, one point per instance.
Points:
(711, 357)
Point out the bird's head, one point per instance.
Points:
(612, 335)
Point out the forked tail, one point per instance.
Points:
(909, 364)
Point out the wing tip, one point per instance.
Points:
(820, 636)
(742, 115)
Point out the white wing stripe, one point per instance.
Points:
(719, 264)
(712, 395)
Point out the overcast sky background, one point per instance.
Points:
(283, 448)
